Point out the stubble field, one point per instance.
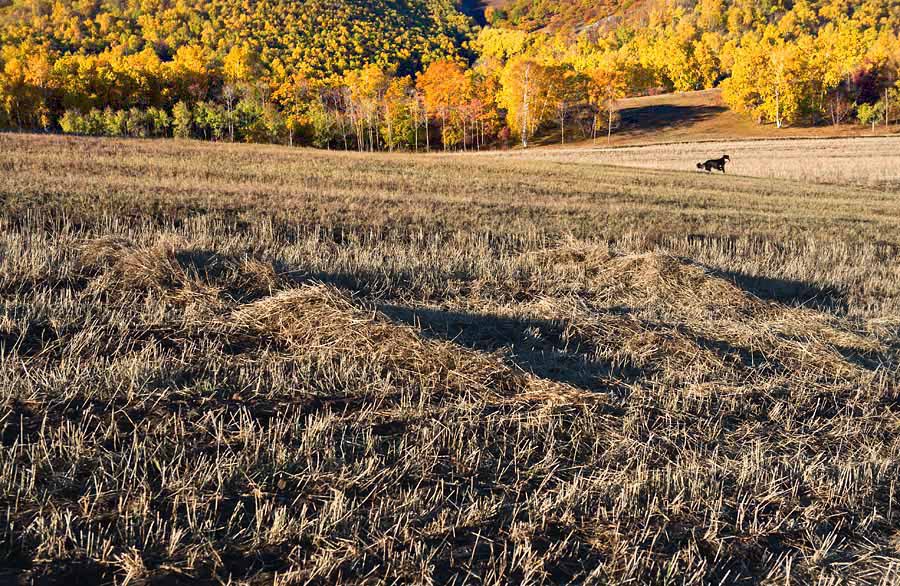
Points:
(865, 161)
(257, 365)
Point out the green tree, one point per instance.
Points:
(114, 122)
(137, 123)
(870, 113)
(182, 120)
(160, 121)
(72, 122)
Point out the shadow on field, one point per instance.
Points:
(662, 116)
(786, 291)
(535, 346)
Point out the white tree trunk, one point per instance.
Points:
(777, 106)
(525, 105)
(609, 124)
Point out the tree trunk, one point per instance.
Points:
(562, 125)
(525, 106)
(609, 125)
(416, 126)
(777, 107)
(344, 133)
(464, 134)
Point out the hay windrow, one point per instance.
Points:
(684, 323)
(671, 282)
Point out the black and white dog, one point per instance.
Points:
(715, 164)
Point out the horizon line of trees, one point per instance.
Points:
(447, 106)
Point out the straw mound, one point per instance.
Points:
(671, 282)
(572, 257)
(721, 350)
(322, 321)
(644, 280)
(170, 266)
(666, 316)
(648, 315)
(95, 254)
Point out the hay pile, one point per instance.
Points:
(184, 274)
(676, 284)
(647, 316)
(675, 321)
(322, 321)
(246, 301)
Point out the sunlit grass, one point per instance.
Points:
(268, 365)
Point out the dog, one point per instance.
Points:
(715, 164)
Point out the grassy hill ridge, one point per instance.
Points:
(700, 116)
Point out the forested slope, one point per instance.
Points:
(315, 37)
(559, 15)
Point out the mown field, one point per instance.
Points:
(257, 365)
(865, 161)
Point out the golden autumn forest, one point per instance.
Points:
(432, 74)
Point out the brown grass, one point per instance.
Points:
(702, 116)
(257, 365)
(870, 161)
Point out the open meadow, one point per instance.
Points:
(865, 161)
(234, 364)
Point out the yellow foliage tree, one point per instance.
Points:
(444, 88)
(768, 80)
(239, 65)
(608, 83)
(526, 92)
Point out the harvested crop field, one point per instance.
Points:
(258, 365)
(866, 161)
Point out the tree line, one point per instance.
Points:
(195, 95)
(782, 63)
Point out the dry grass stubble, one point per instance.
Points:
(212, 389)
(867, 161)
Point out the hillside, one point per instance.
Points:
(700, 116)
(553, 15)
(568, 17)
(732, 16)
(318, 38)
